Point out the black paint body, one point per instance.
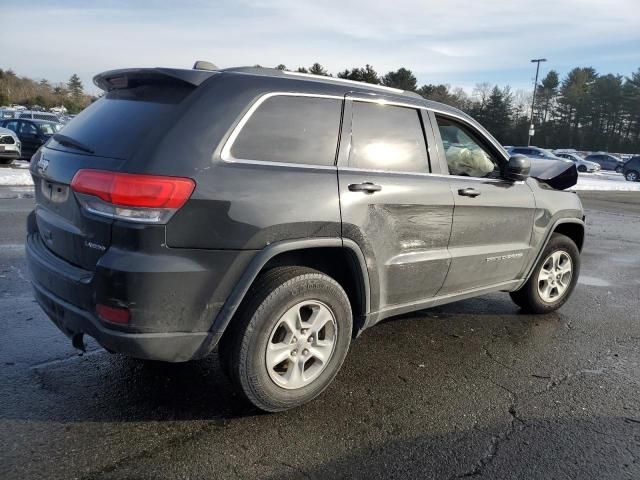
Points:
(413, 244)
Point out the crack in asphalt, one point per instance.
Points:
(516, 425)
(486, 352)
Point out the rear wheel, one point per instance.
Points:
(553, 278)
(289, 339)
(618, 169)
(632, 176)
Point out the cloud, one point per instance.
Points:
(457, 42)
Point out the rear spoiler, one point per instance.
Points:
(133, 77)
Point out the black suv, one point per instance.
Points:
(276, 215)
(631, 169)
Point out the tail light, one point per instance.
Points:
(132, 197)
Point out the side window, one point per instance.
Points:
(464, 150)
(386, 137)
(12, 125)
(291, 129)
(28, 129)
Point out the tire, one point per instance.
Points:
(529, 296)
(5, 161)
(277, 295)
(618, 169)
(632, 176)
(582, 168)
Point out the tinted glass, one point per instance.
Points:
(28, 128)
(291, 129)
(115, 125)
(12, 125)
(521, 151)
(465, 153)
(385, 137)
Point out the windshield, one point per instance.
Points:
(49, 128)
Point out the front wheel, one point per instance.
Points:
(289, 339)
(632, 176)
(553, 278)
(582, 168)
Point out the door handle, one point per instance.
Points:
(366, 187)
(468, 192)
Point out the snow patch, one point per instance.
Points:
(15, 177)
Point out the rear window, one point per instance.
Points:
(115, 125)
(291, 129)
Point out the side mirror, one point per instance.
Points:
(518, 168)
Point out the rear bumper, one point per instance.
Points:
(173, 297)
(168, 347)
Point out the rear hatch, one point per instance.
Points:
(105, 136)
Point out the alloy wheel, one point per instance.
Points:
(301, 344)
(555, 276)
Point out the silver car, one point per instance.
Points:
(581, 164)
(10, 147)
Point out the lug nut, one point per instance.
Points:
(305, 352)
(294, 339)
(294, 353)
(310, 339)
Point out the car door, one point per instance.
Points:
(399, 215)
(493, 217)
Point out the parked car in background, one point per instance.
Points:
(581, 164)
(8, 112)
(307, 209)
(631, 169)
(607, 161)
(9, 146)
(32, 133)
(535, 153)
(35, 115)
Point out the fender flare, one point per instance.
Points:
(247, 278)
(544, 243)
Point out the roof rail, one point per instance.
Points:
(346, 81)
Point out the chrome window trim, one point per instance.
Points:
(226, 150)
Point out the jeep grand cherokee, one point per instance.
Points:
(276, 215)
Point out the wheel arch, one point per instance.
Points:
(339, 258)
(574, 228)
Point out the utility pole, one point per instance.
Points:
(533, 102)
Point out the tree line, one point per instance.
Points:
(15, 90)
(584, 110)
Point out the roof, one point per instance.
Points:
(114, 79)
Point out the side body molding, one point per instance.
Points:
(263, 256)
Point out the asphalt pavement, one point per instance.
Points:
(471, 389)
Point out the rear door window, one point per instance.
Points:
(387, 137)
(291, 129)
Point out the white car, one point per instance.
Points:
(581, 164)
(10, 147)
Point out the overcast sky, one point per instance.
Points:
(458, 42)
